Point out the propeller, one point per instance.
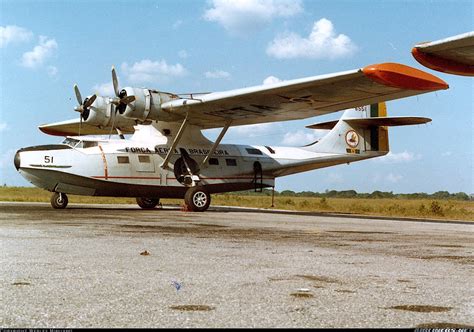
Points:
(83, 107)
(121, 99)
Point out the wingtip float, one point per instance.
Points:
(404, 77)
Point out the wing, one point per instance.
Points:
(73, 128)
(454, 55)
(307, 97)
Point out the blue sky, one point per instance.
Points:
(198, 46)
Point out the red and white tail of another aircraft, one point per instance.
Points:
(453, 55)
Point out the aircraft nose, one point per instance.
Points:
(16, 160)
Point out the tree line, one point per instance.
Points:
(354, 194)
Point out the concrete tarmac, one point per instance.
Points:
(120, 266)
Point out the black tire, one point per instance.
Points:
(147, 203)
(197, 199)
(59, 200)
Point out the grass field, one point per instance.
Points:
(396, 207)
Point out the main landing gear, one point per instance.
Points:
(147, 203)
(59, 200)
(197, 199)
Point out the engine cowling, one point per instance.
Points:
(96, 114)
(102, 112)
(147, 105)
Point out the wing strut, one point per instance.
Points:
(217, 142)
(175, 142)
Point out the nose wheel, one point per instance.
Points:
(59, 200)
(197, 199)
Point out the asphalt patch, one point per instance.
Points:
(421, 308)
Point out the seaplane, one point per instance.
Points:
(166, 155)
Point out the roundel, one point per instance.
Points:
(352, 139)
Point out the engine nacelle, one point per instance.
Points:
(147, 105)
(97, 115)
(102, 114)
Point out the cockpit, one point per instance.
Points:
(79, 144)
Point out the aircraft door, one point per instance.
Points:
(257, 176)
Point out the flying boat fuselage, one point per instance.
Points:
(124, 168)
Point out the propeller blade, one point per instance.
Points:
(127, 100)
(115, 82)
(88, 102)
(78, 94)
(79, 109)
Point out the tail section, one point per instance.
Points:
(378, 134)
(362, 130)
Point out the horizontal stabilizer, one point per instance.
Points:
(375, 122)
(323, 125)
(74, 128)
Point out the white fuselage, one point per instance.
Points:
(129, 168)
(135, 167)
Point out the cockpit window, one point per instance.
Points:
(89, 144)
(71, 142)
(75, 143)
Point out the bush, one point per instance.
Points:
(436, 209)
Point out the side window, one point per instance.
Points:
(123, 160)
(90, 144)
(144, 159)
(231, 162)
(254, 151)
(213, 161)
(270, 149)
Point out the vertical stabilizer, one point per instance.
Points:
(348, 136)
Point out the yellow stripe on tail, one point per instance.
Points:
(379, 135)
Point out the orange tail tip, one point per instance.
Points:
(404, 77)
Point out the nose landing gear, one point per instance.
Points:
(59, 200)
(197, 199)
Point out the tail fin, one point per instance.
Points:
(361, 130)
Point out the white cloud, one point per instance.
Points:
(394, 178)
(147, 71)
(183, 54)
(335, 178)
(254, 130)
(301, 137)
(177, 24)
(217, 74)
(240, 17)
(402, 157)
(52, 71)
(247, 132)
(104, 89)
(44, 50)
(271, 80)
(3, 126)
(446, 154)
(13, 34)
(322, 43)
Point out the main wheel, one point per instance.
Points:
(147, 203)
(59, 200)
(197, 199)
